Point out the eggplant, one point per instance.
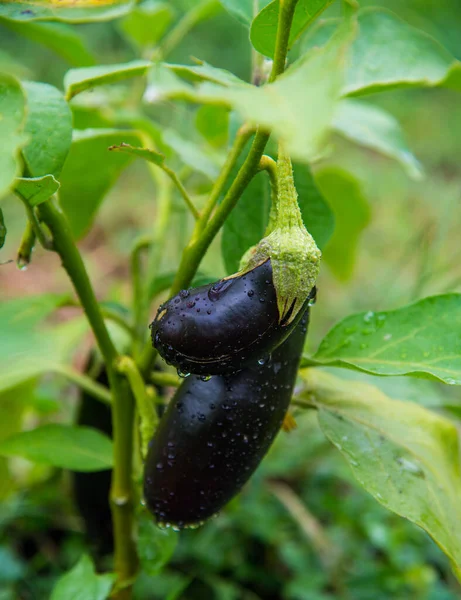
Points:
(221, 327)
(215, 433)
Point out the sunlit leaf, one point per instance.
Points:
(264, 27)
(79, 80)
(90, 171)
(375, 128)
(36, 189)
(82, 583)
(12, 121)
(49, 126)
(75, 448)
(77, 11)
(406, 456)
(419, 339)
(344, 195)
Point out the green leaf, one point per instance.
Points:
(58, 37)
(390, 54)
(82, 583)
(76, 11)
(192, 154)
(79, 80)
(75, 448)
(155, 545)
(147, 154)
(375, 128)
(247, 223)
(419, 339)
(242, 10)
(263, 30)
(12, 121)
(89, 173)
(403, 454)
(36, 189)
(352, 214)
(147, 22)
(206, 72)
(213, 123)
(49, 125)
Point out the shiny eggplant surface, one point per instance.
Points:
(215, 433)
(221, 327)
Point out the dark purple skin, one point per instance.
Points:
(215, 433)
(221, 327)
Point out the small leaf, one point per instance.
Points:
(264, 27)
(150, 155)
(406, 456)
(147, 22)
(79, 80)
(75, 448)
(390, 54)
(351, 213)
(206, 72)
(36, 189)
(76, 11)
(82, 583)
(191, 154)
(49, 125)
(374, 128)
(12, 121)
(58, 37)
(90, 171)
(213, 123)
(155, 545)
(419, 339)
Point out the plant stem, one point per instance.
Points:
(164, 379)
(95, 389)
(26, 246)
(3, 230)
(39, 233)
(122, 402)
(195, 250)
(182, 190)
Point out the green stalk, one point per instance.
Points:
(122, 402)
(26, 246)
(195, 250)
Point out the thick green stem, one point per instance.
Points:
(165, 379)
(122, 402)
(288, 211)
(269, 165)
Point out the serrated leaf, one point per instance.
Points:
(49, 126)
(352, 214)
(147, 22)
(90, 171)
(403, 454)
(390, 54)
(79, 80)
(36, 190)
(418, 339)
(263, 30)
(12, 121)
(155, 545)
(75, 448)
(82, 583)
(58, 37)
(76, 11)
(374, 128)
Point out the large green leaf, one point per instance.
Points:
(49, 125)
(58, 37)
(90, 171)
(375, 128)
(12, 121)
(343, 193)
(247, 223)
(36, 190)
(264, 27)
(79, 80)
(420, 339)
(298, 107)
(406, 456)
(82, 583)
(77, 11)
(388, 54)
(74, 448)
(147, 22)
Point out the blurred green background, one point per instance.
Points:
(302, 529)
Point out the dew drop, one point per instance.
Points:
(184, 293)
(182, 374)
(367, 317)
(205, 377)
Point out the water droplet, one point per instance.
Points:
(22, 263)
(250, 293)
(261, 300)
(387, 337)
(367, 317)
(264, 360)
(159, 466)
(205, 377)
(182, 374)
(190, 304)
(409, 465)
(184, 293)
(450, 381)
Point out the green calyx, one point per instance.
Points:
(294, 255)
